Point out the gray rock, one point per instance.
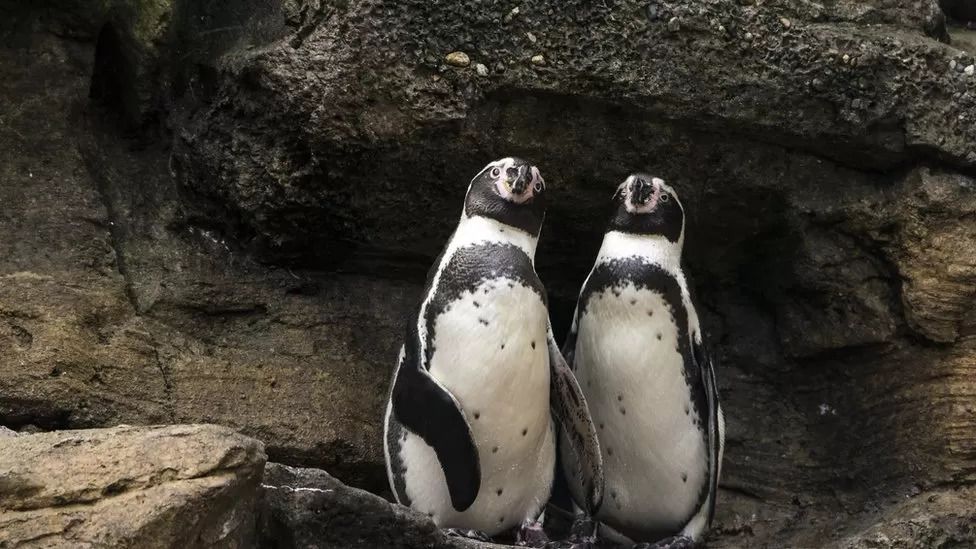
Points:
(6, 433)
(308, 508)
(168, 487)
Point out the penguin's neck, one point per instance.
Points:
(476, 229)
(656, 249)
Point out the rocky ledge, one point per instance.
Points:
(187, 486)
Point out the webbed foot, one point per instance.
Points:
(676, 542)
(470, 534)
(531, 534)
(582, 535)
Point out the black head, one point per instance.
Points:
(647, 205)
(511, 191)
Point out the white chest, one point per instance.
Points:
(629, 366)
(490, 353)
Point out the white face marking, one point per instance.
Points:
(662, 192)
(503, 180)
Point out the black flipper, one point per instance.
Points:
(431, 412)
(569, 408)
(707, 370)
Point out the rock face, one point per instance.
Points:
(309, 509)
(235, 228)
(115, 309)
(167, 487)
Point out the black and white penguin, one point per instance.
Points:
(469, 437)
(637, 351)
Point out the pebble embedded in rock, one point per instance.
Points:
(538, 60)
(531, 37)
(674, 24)
(511, 15)
(481, 69)
(458, 59)
(785, 22)
(970, 69)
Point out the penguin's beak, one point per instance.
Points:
(521, 181)
(640, 191)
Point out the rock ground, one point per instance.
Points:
(234, 230)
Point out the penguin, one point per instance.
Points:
(637, 350)
(469, 431)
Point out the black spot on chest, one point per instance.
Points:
(469, 268)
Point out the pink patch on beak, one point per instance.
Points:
(652, 201)
(518, 198)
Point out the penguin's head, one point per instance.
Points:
(511, 191)
(647, 205)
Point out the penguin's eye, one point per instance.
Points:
(496, 171)
(539, 185)
(665, 197)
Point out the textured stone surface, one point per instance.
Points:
(167, 487)
(307, 508)
(936, 519)
(248, 255)
(114, 309)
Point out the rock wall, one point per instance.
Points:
(223, 213)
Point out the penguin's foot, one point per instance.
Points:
(531, 534)
(582, 535)
(470, 534)
(584, 527)
(676, 542)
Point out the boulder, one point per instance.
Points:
(167, 487)
(308, 508)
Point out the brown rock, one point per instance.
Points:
(458, 59)
(167, 487)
